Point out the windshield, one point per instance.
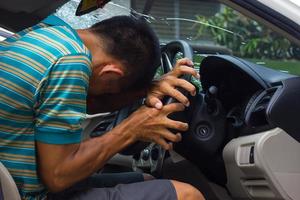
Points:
(209, 26)
(297, 2)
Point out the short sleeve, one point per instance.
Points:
(61, 106)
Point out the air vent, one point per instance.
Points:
(258, 189)
(256, 114)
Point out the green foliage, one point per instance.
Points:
(245, 37)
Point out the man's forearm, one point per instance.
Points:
(92, 156)
(83, 161)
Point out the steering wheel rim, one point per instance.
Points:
(169, 52)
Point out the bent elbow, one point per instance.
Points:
(55, 183)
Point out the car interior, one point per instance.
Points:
(243, 140)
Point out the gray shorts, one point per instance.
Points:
(148, 190)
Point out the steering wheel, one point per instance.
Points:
(203, 142)
(205, 114)
(150, 156)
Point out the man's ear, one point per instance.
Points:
(111, 69)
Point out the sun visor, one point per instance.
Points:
(19, 14)
(28, 6)
(86, 6)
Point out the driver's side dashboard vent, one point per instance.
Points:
(256, 112)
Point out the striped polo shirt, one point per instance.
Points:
(44, 75)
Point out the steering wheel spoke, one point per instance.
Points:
(166, 62)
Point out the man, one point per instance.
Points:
(46, 74)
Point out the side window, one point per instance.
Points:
(249, 39)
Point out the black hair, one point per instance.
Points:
(134, 43)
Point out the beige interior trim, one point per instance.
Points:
(263, 166)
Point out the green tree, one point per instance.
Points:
(245, 37)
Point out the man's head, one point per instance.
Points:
(125, 55)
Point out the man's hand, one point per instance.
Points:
(168, 83)
(152, 125)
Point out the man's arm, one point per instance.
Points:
(61, 166)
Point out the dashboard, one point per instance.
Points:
(244, 91)
(243, 94)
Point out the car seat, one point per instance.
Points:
(8, 187)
